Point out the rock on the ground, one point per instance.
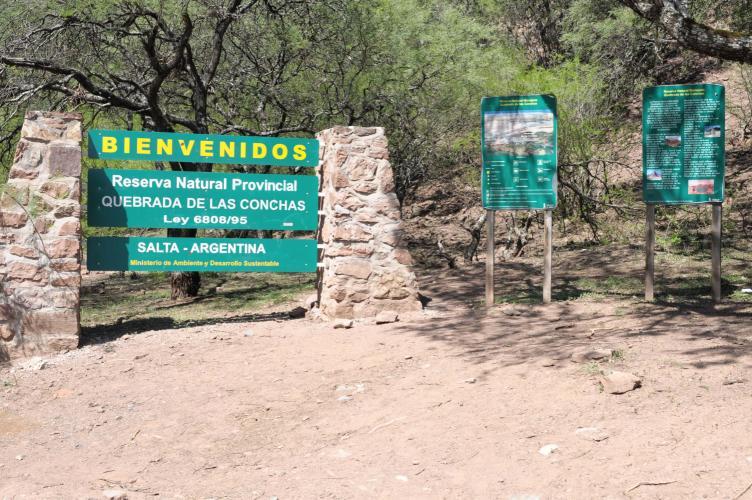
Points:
(343, 323)
(548, 362)
(591, 434)
(590, 355)
(115, 494)
(548, 449)
(620, 382)
(386, 317)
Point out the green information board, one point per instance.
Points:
(203, 148)
(683, 144)
(201, 254)
(158, 199)
(519, 152)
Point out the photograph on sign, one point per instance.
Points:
(202, 254)
(683, 144)
(519, 152)
(202, 200)
(203, 148)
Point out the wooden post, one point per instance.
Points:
(490, 258)
(716, 251)
(650, 254)
(548, 221)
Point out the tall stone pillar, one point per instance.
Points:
(40, 238)
(366, 267)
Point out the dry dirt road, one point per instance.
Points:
(455, 402)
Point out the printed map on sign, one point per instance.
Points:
(683, 137)
(519, 152)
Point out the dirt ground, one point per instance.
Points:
(455, 402)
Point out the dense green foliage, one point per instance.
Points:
(417, 67)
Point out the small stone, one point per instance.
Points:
(470, 380)
(591, 434)
(248, 333)
(115, 494)
(19, 457)
(343, 323)
(386, 317)
(512, 311)
(590, 355)
(620, 382)
(6, 332)
(548, 362)
(400, 477)
(548, 449)
(344, 399)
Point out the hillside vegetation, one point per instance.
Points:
(417, 67)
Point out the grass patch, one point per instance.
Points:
(121, 297)
(611, 285)
(592, 368)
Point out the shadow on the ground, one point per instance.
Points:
(99, 334)
(524, 330)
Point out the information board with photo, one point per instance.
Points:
(683, 137)
(519, 152)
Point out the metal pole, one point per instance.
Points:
(716, 251)
(490, 258)
(548, 237)
(650, 254)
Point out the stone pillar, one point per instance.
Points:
(366, 266)
(40, 238)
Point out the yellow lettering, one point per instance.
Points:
(127, 145)
(143, 146)
(279, 151)
(243, 149)
(164, 147)
(299, 152)
(259, 150)
(227, 149)
(186, 148)
(206, 148)
(109, 144)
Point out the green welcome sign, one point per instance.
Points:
(202, 254)
(519, 152)
(683, 138)
(170, 199)
(202, 148)
(202, 200)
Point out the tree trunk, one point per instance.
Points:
(184, 284)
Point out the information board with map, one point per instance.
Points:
(519, 152)
(683, 137)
